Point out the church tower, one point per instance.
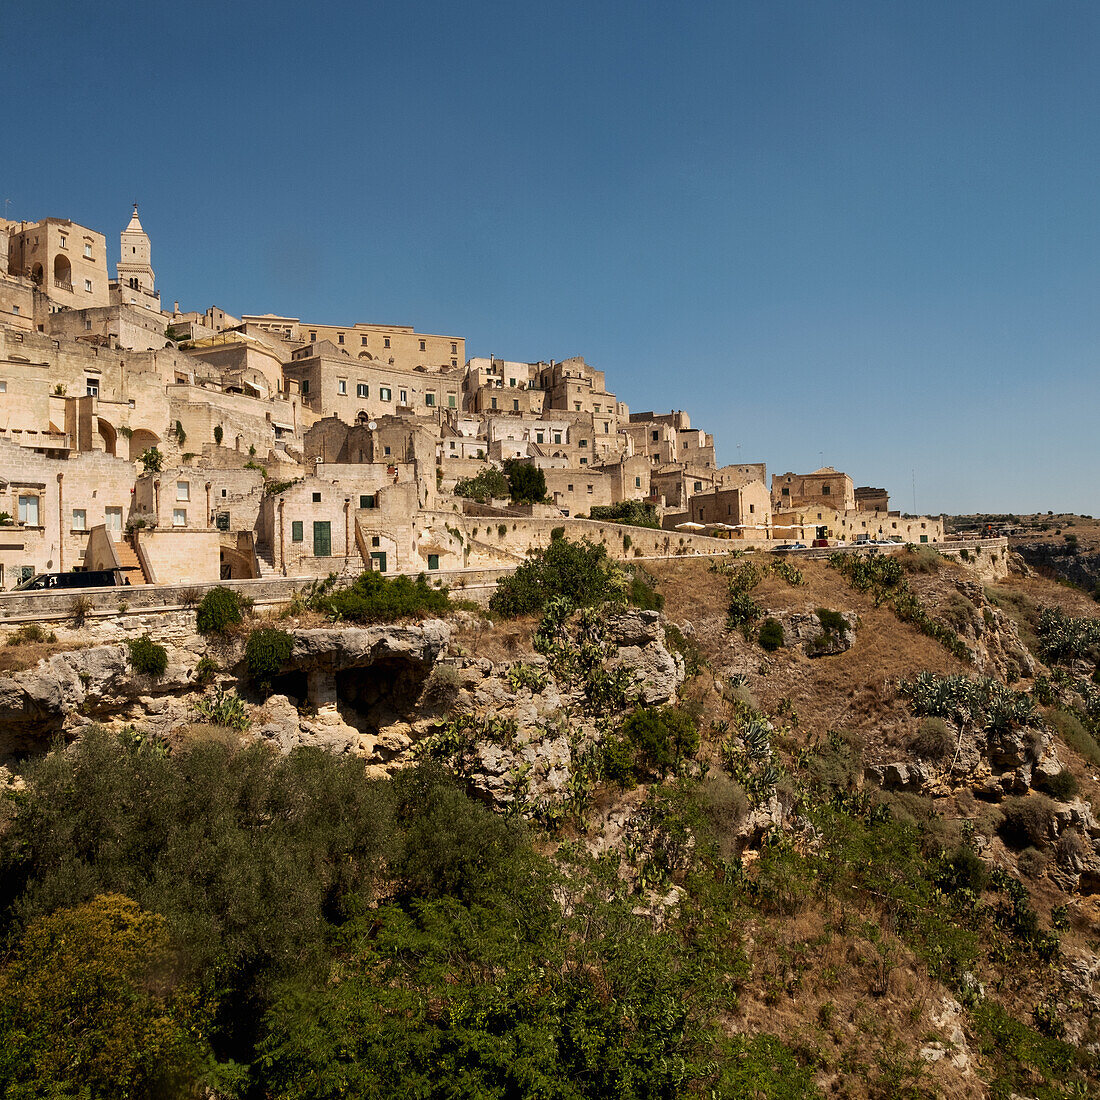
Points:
(134, 269)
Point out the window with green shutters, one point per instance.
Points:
(366, 500)
(433, 561)
(296, 531)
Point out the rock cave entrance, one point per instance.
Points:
(293, 684)
(378, 694)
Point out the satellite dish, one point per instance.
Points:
(372, 424)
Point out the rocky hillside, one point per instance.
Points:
(844, 809)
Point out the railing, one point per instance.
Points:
(62, 285)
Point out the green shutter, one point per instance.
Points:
(433, 561)
(296, 531)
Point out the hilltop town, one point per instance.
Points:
(173, 446)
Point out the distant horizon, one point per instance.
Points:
(857, 235)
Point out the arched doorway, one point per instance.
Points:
(62, 273)
(109, 436)
(141, 440)
(36, 274)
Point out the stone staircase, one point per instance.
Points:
(129, 563)
(266, 559)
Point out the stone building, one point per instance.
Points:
(136, 283)
(746, 510)
(827, 487)
(68, 262)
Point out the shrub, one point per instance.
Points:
(81, 607)
(148, 657)
(218, 434)
(663, 737)
(581, 572)
(832, 622)
(1073, 732)
(642, 595)
(920, 559)
(375, 598)
(771, 634)
(1061, 787)
(557, 533)
(1028, 821)
(634, 513)
(219, 609)
(487, 485)
(266, 651)
(933, 740)
(1032, 863)
(526, 482)
(206, 670)
(31, 634)
(152, 460)
(742, 611)
(617, 762)
(224, 708)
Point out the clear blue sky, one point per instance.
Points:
(856, 233)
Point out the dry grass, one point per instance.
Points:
(17, 658)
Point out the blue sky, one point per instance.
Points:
(861, 234)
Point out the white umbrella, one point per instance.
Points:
(689, 526)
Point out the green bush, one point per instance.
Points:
(265, 653)
(147, 657)
(526, 482)
(488, 485)
(581, 572)
(218, 610)
(1061, 787)
(617, 762)
(832, 622)
(31, 634)
(643, 595)
(224, 708)
(663, 737)
(933, 740)
(771, 634)
(633, 513)
(376, 598)
(152, 460)
(1072, 731)
(1028, 821)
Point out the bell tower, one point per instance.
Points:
(135, 271)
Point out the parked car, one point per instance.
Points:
(820, 542)
(90, 578)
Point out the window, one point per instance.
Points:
(342, 387)
(433, 561)
(454, 347)
(595, 408)
(422, 348)
(404, 396)
(655, 436)
(87, 252)
(366, 500)
(362, 341)
(179, 517)
(361, 390)
(584, 461)
(429, 399)
(826, 490)
(698, 486)
(225, 492)
(305, 386)
(515, 404)
(590, 488)
(385, 394)
(113, 517)
(493, 402)
(316, 498)
(606, 427)
(88, 285)
(569, 488)
(584, 442)
(296, 529)
(91, 387)
(557, 437)
(3, 387)
(387, 341)
(87, 326)
(512, 383)
(183, 490)
(375, 541)
(577, 406)
(221, 521)
(785, 491)
(80, 519)
(28, 510)
(15, 310)
(64, 242)
(454, 362)
(451, 399)
(339, 337)
(637, 483)
(385, 451)
(752, 510)
(312, 337)
(539, 437)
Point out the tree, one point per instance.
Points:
(88, 1002)
(218, 434)
(526, 482)
(488, 484)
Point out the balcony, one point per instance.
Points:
(61, 284)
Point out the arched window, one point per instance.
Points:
(63, 273)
